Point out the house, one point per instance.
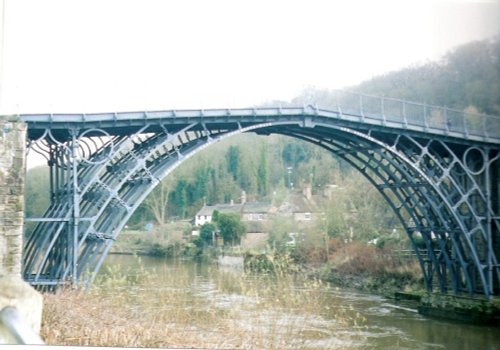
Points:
(256, 211)
(249, 211)
(253, 214)
(303, 206)
(205, 215)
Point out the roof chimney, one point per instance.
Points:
(243, 197)
(307, 191)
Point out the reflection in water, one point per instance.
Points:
(292, 313)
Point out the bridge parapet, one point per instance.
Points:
(346, 106)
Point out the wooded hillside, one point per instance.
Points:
(467, 78)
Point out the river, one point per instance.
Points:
(289, 313)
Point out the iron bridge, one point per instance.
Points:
(437, 168)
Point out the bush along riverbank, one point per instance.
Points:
(354, 266)
(374, 270)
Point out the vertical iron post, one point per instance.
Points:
(339, 108)
(447, 123)
(405, 120)
(382, 110)
(485, 129)
(76, 207)
(489, 238)
(361, 112)
(466, 131)
(426, 122)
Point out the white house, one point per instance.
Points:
(206, 212)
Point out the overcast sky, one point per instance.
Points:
(84, 56)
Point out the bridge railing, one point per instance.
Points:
(365, 108)
(413, 114)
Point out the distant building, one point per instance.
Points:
(256, 211)
(303, 206)
(205, 214)
(248, 211)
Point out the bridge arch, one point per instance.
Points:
(419, 203)
(439, 187)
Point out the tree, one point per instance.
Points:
(179, 198)
(37, 196)
(215, 216)
(206, 232)
(37, 191)
(262, 178)
(231, 228)
(157, 202)
(233, 156)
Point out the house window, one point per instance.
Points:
(307, 216)
(261, 217)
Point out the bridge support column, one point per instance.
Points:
(494, 182)
(14, 292)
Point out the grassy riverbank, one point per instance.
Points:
(136, 310)
(352, 265)
(371, 269)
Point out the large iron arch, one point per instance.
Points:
(453, 258)
(439, 187)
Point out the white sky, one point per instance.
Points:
(102, 55)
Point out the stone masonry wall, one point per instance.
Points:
(14, 292)
(12, 171)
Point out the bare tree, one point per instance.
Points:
(157, 202)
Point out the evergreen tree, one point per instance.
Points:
(262, 178)
(206, 233)
(233, 160)
(179, 198)
(231, 228)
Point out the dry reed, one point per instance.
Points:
(253, 313)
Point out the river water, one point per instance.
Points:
(303, 314)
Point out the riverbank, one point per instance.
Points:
(187, 305)
(372, 270)
(165, 241)
(353, 266)
(156, 302)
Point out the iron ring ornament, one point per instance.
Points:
(473, 156)
(95, 146)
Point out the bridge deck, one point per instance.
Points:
(362, 111)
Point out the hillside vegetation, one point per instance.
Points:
(467, 78)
